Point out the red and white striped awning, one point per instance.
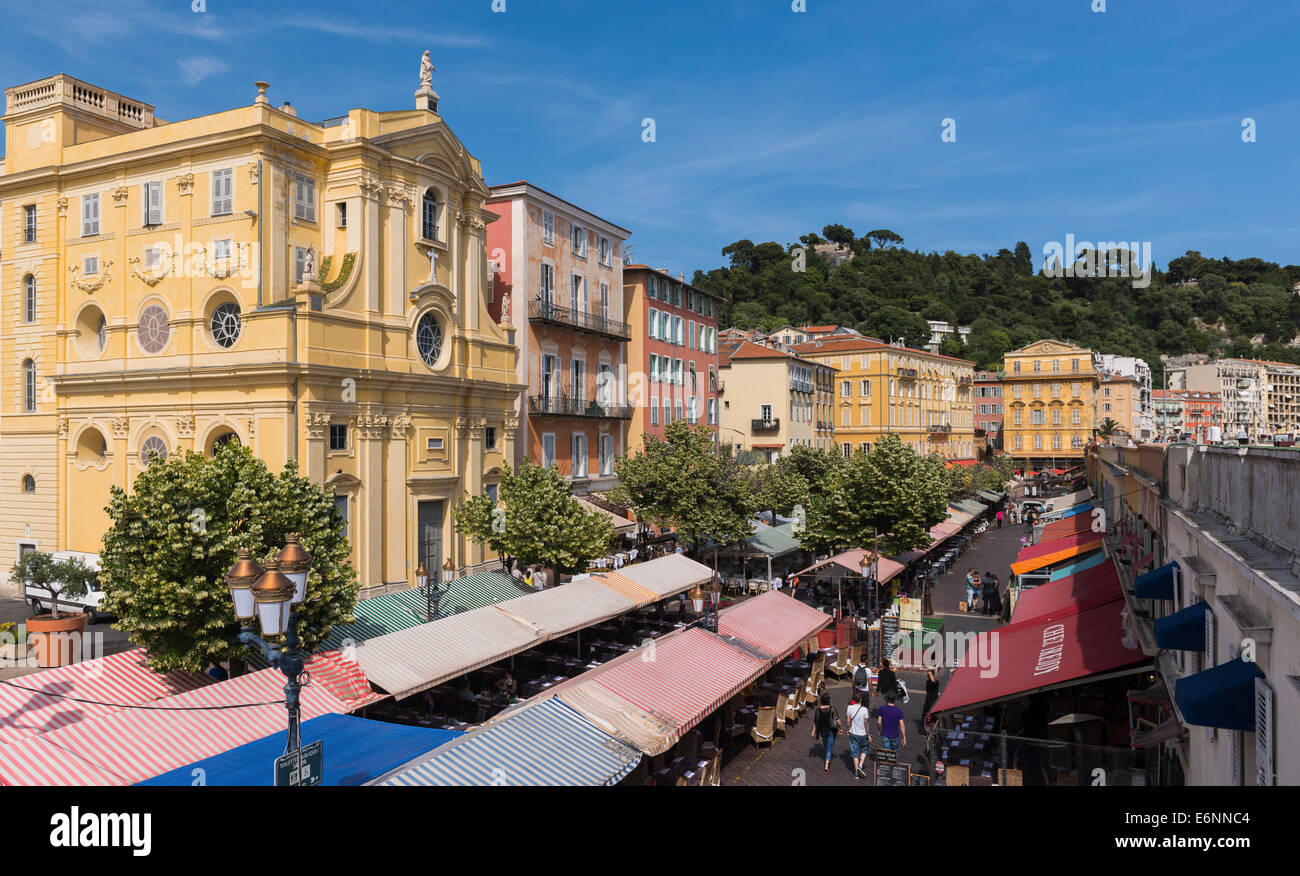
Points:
(773, 623)
(134, 744)
(53, 698)
(343, 678)
(684, 676)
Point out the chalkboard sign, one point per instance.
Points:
(889, 635)
(884, 755)
(873, 647)
(893, 775)
(920, 780)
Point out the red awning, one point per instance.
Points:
(773, 623)
(963, 462)
(1066, 527)
(886, 569)
(1023, 657)
(1069, 595)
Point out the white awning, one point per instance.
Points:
(668, 575)
(573, 606)
(622, 525)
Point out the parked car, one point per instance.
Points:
(42, 601)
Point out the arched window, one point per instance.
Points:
(29, 386)
(222, 440)
(29, 484)
(429, 213)
(29, 299)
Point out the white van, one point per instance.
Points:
(42, 601)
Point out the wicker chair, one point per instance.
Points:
(764, 729)
(844, 662)
(781, 709)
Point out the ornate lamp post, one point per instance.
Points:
(271, 596)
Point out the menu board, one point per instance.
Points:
(909, 613)
(920, 780)
(888, 635)
(884, 755)
(893, 775)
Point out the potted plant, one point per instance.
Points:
(13, 642)
(67, 577)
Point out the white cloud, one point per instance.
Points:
(197, 68)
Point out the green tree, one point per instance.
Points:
(893, 323)
(682, 482)
(174, 537)
(890, 496)
(778, 489)
(67, 577)
(1106, 428)
(536, 521)
(838, 234)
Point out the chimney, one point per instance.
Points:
(286, 107)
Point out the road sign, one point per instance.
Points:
(288, 773)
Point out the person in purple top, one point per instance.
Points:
(890, 721)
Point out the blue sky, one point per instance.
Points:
(1119, 125)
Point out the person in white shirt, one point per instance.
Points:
(859, 734)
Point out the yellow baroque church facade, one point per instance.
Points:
(316, 291)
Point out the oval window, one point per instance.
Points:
(224, 324)
(154, 330)
(428, 339)
(153, 446)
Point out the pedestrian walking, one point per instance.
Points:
(862, 680)
(890, 720)
(859, 734)
(999, 518)
(972, 587)
(826, 726)
(887, 681)
(989, 596)
(931, 696)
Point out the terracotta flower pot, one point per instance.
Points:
(52, 639)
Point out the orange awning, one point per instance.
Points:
(1050, 553)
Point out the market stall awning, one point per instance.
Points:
(774, 541)
(1023, 657)
(558, 611)
(1059, 502)
(772, 622)
(685, 676)
(961, 518)
(44, 701)
(1044, 554)
(945, 530)
(851, 561)
(357, 750)
(1066, 527)
(131, 745)
(404, 609)
(1156, 584)
(544, 744)
(667, 575)
(1083, 508)
(962, 463)
(970, 506)
(991, 496)
(622, 525)
(1223, 696)
(1183, 630)
(1083, 564)
(1088, 589)
(616, 581)
(645, 731)
(409, 661)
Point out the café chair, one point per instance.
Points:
(844, 663)
(1013, 778)
(780, 713)
(764, 729)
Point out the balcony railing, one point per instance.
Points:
(906, 372)
(546, 311)
(964, 381)
(570, 406)
(940, 427)
(766, 425)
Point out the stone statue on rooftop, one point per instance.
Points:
(426, 69)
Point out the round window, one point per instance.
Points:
(224, 324)
(428, 339)
(154, 330)
(153, 446)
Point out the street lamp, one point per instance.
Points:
(271, 595)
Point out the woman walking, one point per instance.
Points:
(931, 696)
(826, 725)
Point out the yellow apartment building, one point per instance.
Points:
(1119, 401)
(1050, 392)
(315, 290)
(772, 401)
(924, 398)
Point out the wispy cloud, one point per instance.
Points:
(195, 69)
(383, 33)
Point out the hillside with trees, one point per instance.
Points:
(1198, 305)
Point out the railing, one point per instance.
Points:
(566, 406)
(766, 425)
(545, 311)
(964, 381)
(906, 372)
(940, 427)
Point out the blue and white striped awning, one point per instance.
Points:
(543, 744)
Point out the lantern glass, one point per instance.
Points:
(299, 580)
(243, 599)
(274, 616)
(421, 576)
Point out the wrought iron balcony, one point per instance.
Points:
(940, 427)
(576, 406)
(766, 425)
(906, 372)
(546, 311)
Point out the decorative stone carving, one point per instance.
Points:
(185, 184)
(510, 426)
(63, 206)
(309, 265)
(119, 196)
(371, 186)
(225, 267)
(252, 173)
(371, 425)
(398, 427)
(168, 265)
(463, 426)
(252, 426)
(317, 422)
(505, 310)
(400, 196)
(121, 425)
(105, 275)
(185, 426)
(63, 427)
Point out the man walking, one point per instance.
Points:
(890, 721)
(859, 736)
(862, 680)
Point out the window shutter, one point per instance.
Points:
(153, 203)
(222, 192)
(1263, 733)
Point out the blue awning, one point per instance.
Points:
(1183, 630)
(1221, 697)
(1093, 559)
(548, 743)
(1156, 584)
(1076, 509)
(357, 750)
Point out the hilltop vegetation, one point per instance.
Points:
(1234, 308)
